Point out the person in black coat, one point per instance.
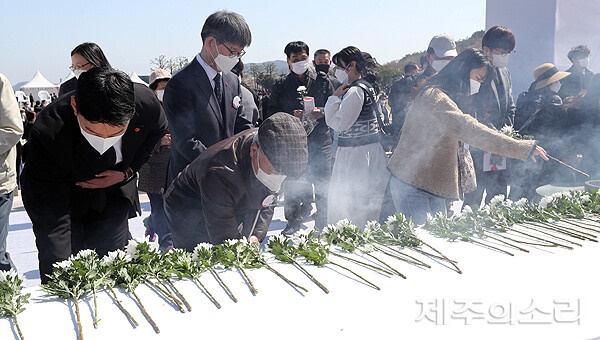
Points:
(494, 107)
(286, 97)
(84, 150)
(580, 76)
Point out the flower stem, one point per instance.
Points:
(453, 263)
(536, 229)
(96, 320)
(18, 328)
(319, 284)
(497, 238)
(364, 264)
(489, 246)
(413, 260)
(553, 227)
(78, 317)
(120, 305)
(210, 296)
(247, 278)
(222, 283)
(185, 302)
(152, 323)
(387, 265)
(581, 224)
(167, 294)
(291, 283)
(360, 277)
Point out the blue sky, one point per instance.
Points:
(131, 33)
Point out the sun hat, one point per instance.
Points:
(159, 74)
(547, 74)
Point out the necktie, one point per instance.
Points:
(219, 90)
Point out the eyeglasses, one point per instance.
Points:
(78, 67)
(234, 54)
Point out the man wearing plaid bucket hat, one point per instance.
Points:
(229, 191)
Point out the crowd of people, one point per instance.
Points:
(216, 156)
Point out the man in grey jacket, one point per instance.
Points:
(11, 130)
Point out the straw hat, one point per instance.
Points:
(159, 74)
(547, 74)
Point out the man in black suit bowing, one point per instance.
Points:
(84, 149)
(203, 100)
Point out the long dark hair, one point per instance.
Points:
(454, 78)
(350, 54)
(92, 53)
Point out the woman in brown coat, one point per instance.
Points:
(424, 164)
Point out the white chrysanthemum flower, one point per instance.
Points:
(496, 201)
(131, 248)
(372, 225)
(467, 210)
(301, 88)
(63, 264)
(85, 253)
(508, 130)
(545, 201)
(113, 256)
(391, 219)
(231, 242)
(521, 203)
(585, 198)
(3, 276)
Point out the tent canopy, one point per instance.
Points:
(38, 83)
(136, 79)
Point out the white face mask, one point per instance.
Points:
(341, 75)
(554, 87)
(438, 65)
(160, 94)
(273, 181)
(500, 60)
(300, 67)
(224, 64)
(584, 62)
(78, 73)
(475, 85)
(99, 143)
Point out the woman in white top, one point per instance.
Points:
(359, 176)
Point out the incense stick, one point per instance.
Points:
(567, 165)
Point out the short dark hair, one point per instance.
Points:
(578, 52)
(226, 26)
(105, 95)
(321, 51)
(453, 79)
(499, 37)
(92, 53)
(410, 67)
(295, 47)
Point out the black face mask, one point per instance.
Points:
(322, 68)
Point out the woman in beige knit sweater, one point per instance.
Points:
(424, 164)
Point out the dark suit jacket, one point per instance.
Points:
(195, 118)
(494, 104)
(59, 156)
(67, 86)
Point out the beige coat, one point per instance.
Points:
(11, 130)
(426, 155)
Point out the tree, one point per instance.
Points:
(386, 74)
(270, 68)
(161, 62)
(175, 64)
